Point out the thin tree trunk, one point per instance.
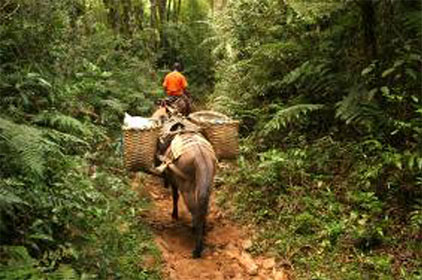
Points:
(169, 9)
(126, 15)
(179, 5)
(115, 15)
(139, 15)
(369, 27)
(153, 12)
(174, 10)
(162, 5)
(212, 4)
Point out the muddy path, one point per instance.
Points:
(225, 255)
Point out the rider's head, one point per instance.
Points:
(176, 67)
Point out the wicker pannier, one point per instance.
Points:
(140, 146)
(221, 131)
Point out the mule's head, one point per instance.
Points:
(161, 114)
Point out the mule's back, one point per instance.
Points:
(194, 156)
(188, 143)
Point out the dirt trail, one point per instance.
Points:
(225, 255)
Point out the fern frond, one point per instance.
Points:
(22, 145)
(62, 123)
(356, 106)
(9, 200)
(7, 196)
(20, 264)
(114, 105)
(311, 76)
(224, 104)
(295, 74)
(66, 140)
(311, 11)
(285, 116)
(412, 21)
(25, 148)
(415, 216)
(64, 272)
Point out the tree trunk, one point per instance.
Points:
(153, 12)
(369, 27)
(126, 16)
(139, 15)
(162, 5)
(169, 9)
(178, 10)
(174, 11)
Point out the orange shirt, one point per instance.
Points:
(175, 83)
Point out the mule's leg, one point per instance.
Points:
(166, 183)
(199, 220)
(175, 193)
(199, 226)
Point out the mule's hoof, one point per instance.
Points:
(196, 254)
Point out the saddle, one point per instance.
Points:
(180, 135)
(182, 143)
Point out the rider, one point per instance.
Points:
(175, 85)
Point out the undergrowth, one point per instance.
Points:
(67, 210)
(316, 212)
(96, 235)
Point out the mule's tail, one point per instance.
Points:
(204, 174)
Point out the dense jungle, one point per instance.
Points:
(328, 183)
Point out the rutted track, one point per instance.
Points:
(225, 255)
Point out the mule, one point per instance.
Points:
(191, 172)
(175, 105)
(161, 114)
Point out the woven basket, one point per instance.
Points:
(221, 131)
(140, 146)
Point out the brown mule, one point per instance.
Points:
(191, 173)
(175, 105)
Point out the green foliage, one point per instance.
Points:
(285, 116)
(20, 264)
(185, 41)
(62, 123)
(416, 217)
(328, 95)
(315, 218)
(66, 81)
(25, 149)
